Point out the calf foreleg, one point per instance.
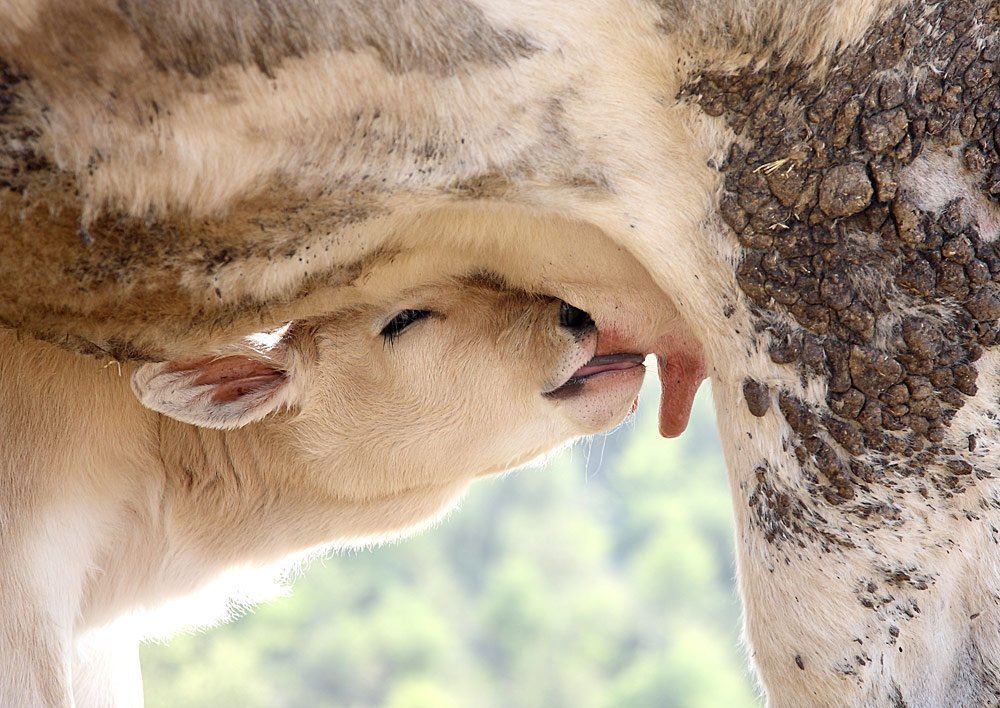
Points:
(106, 672)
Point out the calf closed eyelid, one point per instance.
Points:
(401, 321)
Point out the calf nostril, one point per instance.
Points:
(574, 318)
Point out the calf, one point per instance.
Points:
(121, 500)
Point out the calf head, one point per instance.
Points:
(435, 386)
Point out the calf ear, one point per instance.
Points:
(213, 391)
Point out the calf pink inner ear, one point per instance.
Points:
(681, 370)
(213, 391)
(231, 377)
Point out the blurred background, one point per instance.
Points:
(604, 579)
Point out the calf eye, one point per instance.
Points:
(401, 321)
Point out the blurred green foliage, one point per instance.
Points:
(602, 580)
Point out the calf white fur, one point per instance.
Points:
(348, 429)
(809, 188)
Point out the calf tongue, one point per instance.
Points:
(610, 362)
(681, 366)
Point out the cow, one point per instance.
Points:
(134, 492)
(811, 186)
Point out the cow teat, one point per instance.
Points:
(681, 367)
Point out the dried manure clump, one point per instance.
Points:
(889, 304)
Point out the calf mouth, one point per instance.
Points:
(603, 366)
